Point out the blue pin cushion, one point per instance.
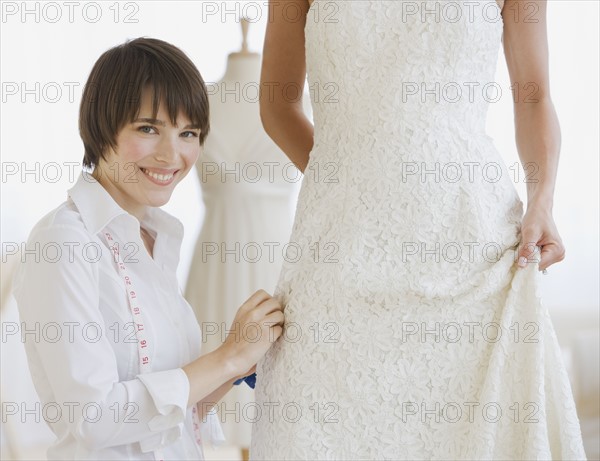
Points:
(250, 380)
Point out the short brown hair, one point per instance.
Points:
(112, 95)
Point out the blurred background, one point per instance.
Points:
(47, 51)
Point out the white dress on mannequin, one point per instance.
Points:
(249, 189)
(410, 340)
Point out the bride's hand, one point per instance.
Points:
(538, 229)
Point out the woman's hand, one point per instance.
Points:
(538, 229)
(256, 326)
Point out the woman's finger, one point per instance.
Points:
(552, 252)
(268, 306)
(527, 247)
(257, 298)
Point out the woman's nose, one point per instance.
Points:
(167, 149)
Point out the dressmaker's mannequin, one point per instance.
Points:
(249, 189)
(235, 98)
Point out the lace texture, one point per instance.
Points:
(410, 332)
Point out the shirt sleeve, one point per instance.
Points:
(63, 289)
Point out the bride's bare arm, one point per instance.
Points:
(536, 124)
(284, 67)
(537, 129)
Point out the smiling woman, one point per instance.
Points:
(139, 111)
(143, 120)
(153, 153)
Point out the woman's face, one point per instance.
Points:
(152, 156)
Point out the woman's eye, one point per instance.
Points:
(190, 134)
(146, 129)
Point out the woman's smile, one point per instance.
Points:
(160, 176)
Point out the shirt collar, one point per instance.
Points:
(97, 209)
(95, 205)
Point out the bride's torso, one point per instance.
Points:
(397, 160)
(396, 72)
(398, 86)
(500, 3)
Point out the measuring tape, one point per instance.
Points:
(141, 335)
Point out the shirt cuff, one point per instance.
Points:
(161, 440)
(211, 430)
(170, 391)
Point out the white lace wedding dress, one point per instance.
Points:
(410, 331)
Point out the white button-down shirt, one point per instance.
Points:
(78, 332)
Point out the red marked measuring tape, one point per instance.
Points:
(141, 334)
